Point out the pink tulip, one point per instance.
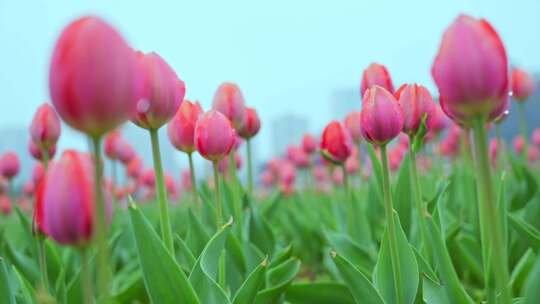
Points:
(125, 152)
(309, 144)
(519, 144)
(320, 173)
(38, 173)
(111, 144)
(186, 181)
(536, 137)
(66, 200)
(267, 179)
(439, 121)
(45, 127)
(229, 101)
(5, 204)
(338, 177)
(134, 167)
(9, 165)
(532, 154)
(251, 125)
(162, 92)
(415, 102)
(93, 80)
(522, 84)
(181, 129)
(493, 151)
(352, 164)
(352, 123)
(376, 74)
(298, 157)
(287, 174)
(471, 71)
(37, 153)
(28, 188)
(148, 178)
(336, 143)
(214, 135)
(170, 185)
(381, 117)
(223, 164)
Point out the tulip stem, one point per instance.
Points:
(218, 196)
(104, 271)
(43, 264)
(487, 202)
(166, 231)
(500, 148)
(193, 180)
(417, 196)
(523, 129)
(391, 229)
(113, 177)
(249, 168)
(350, 210)
(86, 278)
(232, 166)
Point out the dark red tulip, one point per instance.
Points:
(336, 143)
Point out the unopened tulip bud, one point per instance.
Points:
(251, 125)
(309, 144)
(519, 144)
(536, 137)
(37, 153)
(9, 165)
(181, 128)
(416, 103)
(149, 178)
(125, 152)
(111, 143)
(381, 116)
(45, 127)
(5, 204)
(352, 123)
(376, 74)
(134, 167)
(92, 79)
(522, 84)
(229, 101)
(532, 154)
(214, 135)
(336, 143)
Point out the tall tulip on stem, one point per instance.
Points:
(94, 87)
(381, 120)
(522, 87)
(162, 95)
(250, 127)
(472, 52)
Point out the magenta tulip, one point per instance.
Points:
(415, 102)
(229, 100)
(309, 144)
(376, 74)
(45, 127)
(251, 125)
(352, 123)
(336, 143)
(381, 118)
(181, 129)
(9, 165)
(214, 135)
(522, 84)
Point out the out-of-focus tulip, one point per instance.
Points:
(45, 127)
(493, 151)
(267, 179)
(9, 165)
(28, 188)
(37, 153)
(125, 152)
(352, 164)
(376, 74)
(395, 157)
(170, 185)
(181, 128)
(38, 173)
(439, 121)
(251, 125)
(381, 117)
(403, 141)
(320, 173)
(519, 144)
(134, 167)
(336, 143)
(532, 154)
(111, 144)
(471, 71)
(415, 102)
(536, 137)
(65, 200)
(93, 77)
(214, 135)
(522, 84)
(229, 101)
(5, 204)
(287, 174)
(352, 123)
(162, 92)
(309, 144)
(223, 164)
(337, 176)
(298, 157)
(148, 178)
(238, 141)
(186, 181)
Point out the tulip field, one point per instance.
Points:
(415, 197)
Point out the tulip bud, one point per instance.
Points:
(125, 152)
(532, 154)
(415, 102)
(214, 135)
(181, 129)
(471, 71)
(9, 165)
(298, 157)
(352, 123)
(92, 79)
(134, 167)
(336, 143)
(536, 137)
(519, 144)
(381, 118)
(309, 144)
(229, 101)
(439, 121)
(37, 153)
(251, 125)
(38, 173)
(110, 144)
(5, 204)
(522, 84)
(376, 74)
(28, 188)
(162, 92)
(45, 127)
(149, 178)
(65, 200)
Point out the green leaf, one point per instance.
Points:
(277, 281)
(433, 292)
(28, 292)
(528, 233)
(449, 279)
(260, 232)
(521, 271)
(185, 256)
(360, 287)
(248, 291)
(197, 236)
(319, 293)
(525, 187)
(409, 275)
(353, 252)
(163, 278)
(204, 274)
(6, 295)
(281, 256)
(403, 195)
(532, 290)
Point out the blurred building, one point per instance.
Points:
(286, 130)
(343, 101)
(16, 139)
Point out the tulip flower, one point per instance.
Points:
(45, 127)
(148, 178)
(336, 143)
(415, 102)
(187, 181)
(471, 72)
(352, 123)
(298, 157)
(519, 144)
(249, 128)
(267, 179)
(522, 87)
(309, 144)
(28, 188)
(381, 117)
(532, 154)
(9, 165)
(229, 101)
(38, 172)
(110, 144)
(38, 154)
(125, 152)
(376, 74)
(5, 204)
(536, 137)
(134, 167)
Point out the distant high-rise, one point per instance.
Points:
(287, 129)
(343, 101)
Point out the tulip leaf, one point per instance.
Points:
(164, 279)
(529, 234)
(524, 188)
(521, 271)
(248, 291)
(383, 273)
(197, 236)
(204, 274)
(277, 281)
(260, 232)
(532, 292)
(403, 195)
(6, 292)
(185, 256)
(319, 293)
(360, 287)
(360, 257)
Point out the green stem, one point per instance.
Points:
(500, 147)
(523, 129)
(166, 231)
(232, 166)
(43, 264)
(349, 200)
(113, 177)
(359, 147)
(391, 229)
(222, 270)
(193, 180)
(249, 168)
(86, 278)
(104, 271)
(218, 196)
(488, 207)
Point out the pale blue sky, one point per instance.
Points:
(287, 56)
